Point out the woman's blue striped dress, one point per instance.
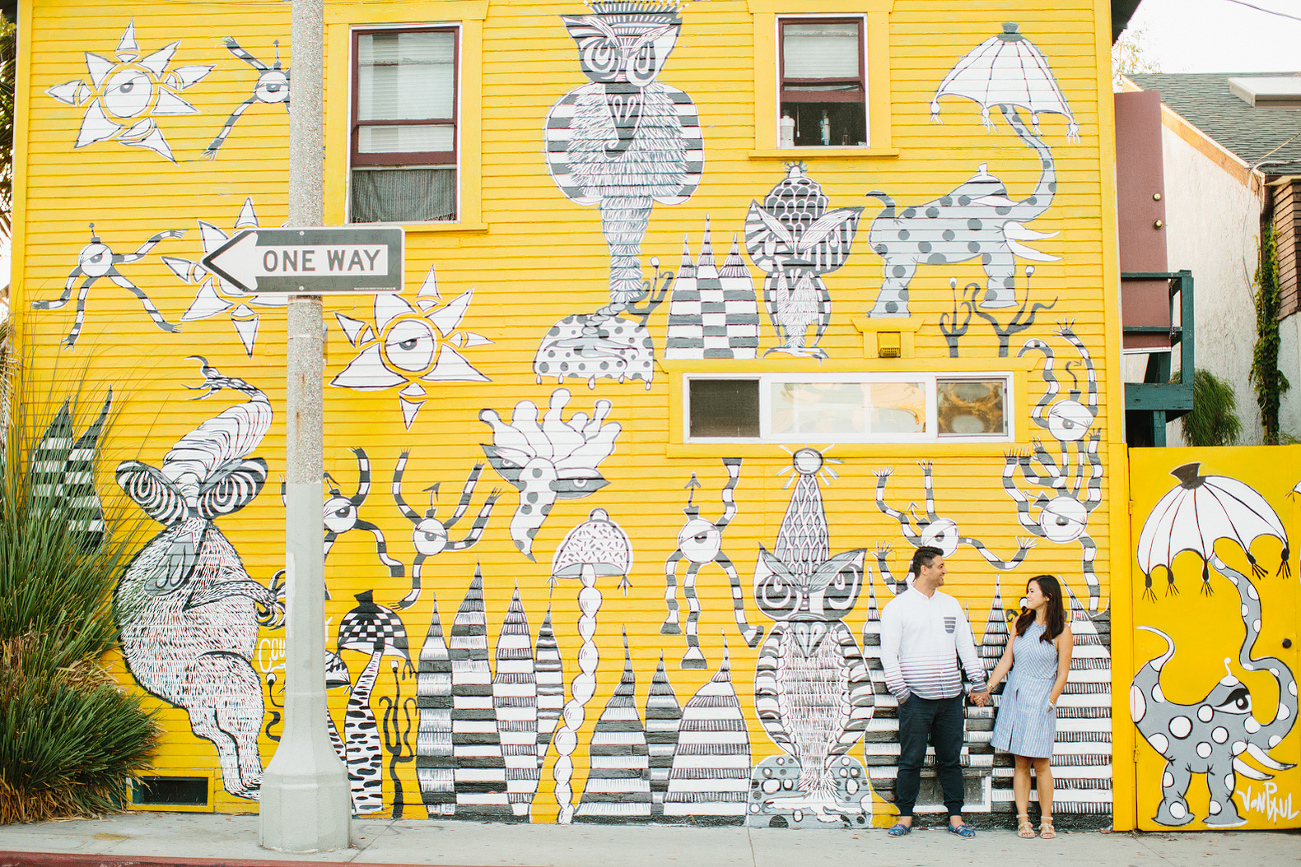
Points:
(1025, 726)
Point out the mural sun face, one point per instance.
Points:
(405, 345)
(123, 98)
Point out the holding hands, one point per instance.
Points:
(979, 699)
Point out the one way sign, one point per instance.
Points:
(312, 261)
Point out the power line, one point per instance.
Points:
(1266, 11)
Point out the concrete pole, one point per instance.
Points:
(305, 803)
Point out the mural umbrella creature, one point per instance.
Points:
(623, 142)
(551, 461)
(1208, 737)
(187, 609)
(598, 547)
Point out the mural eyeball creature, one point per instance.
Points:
(272, 88)
(432, 536)
(554, 460)
(1074, 478)
(215, 295)
(97, 260)
(343, 514)
(124, 98)
(932, 530)
(700, 542)
(408, 345)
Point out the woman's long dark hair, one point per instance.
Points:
(1055, 612)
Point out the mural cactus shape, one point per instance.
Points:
(554, 460)
(794, 240)
(188, 611)
(598, 547)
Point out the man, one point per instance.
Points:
(923, 634)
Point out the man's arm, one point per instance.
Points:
(891, 638)
(971, 663)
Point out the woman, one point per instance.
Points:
(1039, 659)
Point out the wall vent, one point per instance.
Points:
(170, 792)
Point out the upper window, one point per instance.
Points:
(823, 82)
(403, 149)
(914, 407)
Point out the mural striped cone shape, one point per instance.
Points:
(1082, 754)
(434, 736)
(618, 785)
(515, 702)
(663, 717)
(480, 772)
(710, 777)
(550, 673)
(713, 312)
(881, 738)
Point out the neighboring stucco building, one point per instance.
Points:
(712, 313)
(1232, 155)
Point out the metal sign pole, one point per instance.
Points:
(305, 801)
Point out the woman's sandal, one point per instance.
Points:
(1024, 829)
(1046, 828)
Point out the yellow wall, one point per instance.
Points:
(532, 257)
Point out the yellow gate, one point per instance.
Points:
(1212, 688)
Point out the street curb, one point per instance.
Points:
(61, 859)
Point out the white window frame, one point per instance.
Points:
(795, 18)
(929, 380)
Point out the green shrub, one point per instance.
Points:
(1214, 417)
(72, 738)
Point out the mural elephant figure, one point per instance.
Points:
(1209, 736)
(976, 220)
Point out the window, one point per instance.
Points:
(403, 148)
(848, 408)
(823, 89)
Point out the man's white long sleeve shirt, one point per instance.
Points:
(922, 639)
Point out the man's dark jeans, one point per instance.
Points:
(939, 721)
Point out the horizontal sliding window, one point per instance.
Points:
(847, 408)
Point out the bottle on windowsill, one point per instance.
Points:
(825, 126)
(787, 131)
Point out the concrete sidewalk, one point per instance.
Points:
(157, 839)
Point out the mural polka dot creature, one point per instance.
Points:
(554, 460)
(97, 260)
(123, 99)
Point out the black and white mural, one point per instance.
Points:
(713, 311)
(271, 88)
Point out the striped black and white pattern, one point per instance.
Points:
(550, 672)
(63, 473)
(713, 311)
(663, 718)
(515, 702)
(434, 762)
(618, 784)
(710, 776)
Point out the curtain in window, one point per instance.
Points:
(403, 195)
(821, 50)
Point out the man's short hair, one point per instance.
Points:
(923, 556)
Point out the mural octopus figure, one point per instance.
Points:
(430, 535)
(1208, 737)
(188, 611)
(812, 690)
(343, 514)
(96, 260)
(933, 530)
(378, 632)
(551, 461)
(700, 542)
(622, 142)
(1063, 517)
(794, 240)
(272, 88)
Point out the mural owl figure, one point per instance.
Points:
(812, 689)
(622, 142)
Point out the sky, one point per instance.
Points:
(1220, 35)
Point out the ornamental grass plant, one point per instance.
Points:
(72, 738)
